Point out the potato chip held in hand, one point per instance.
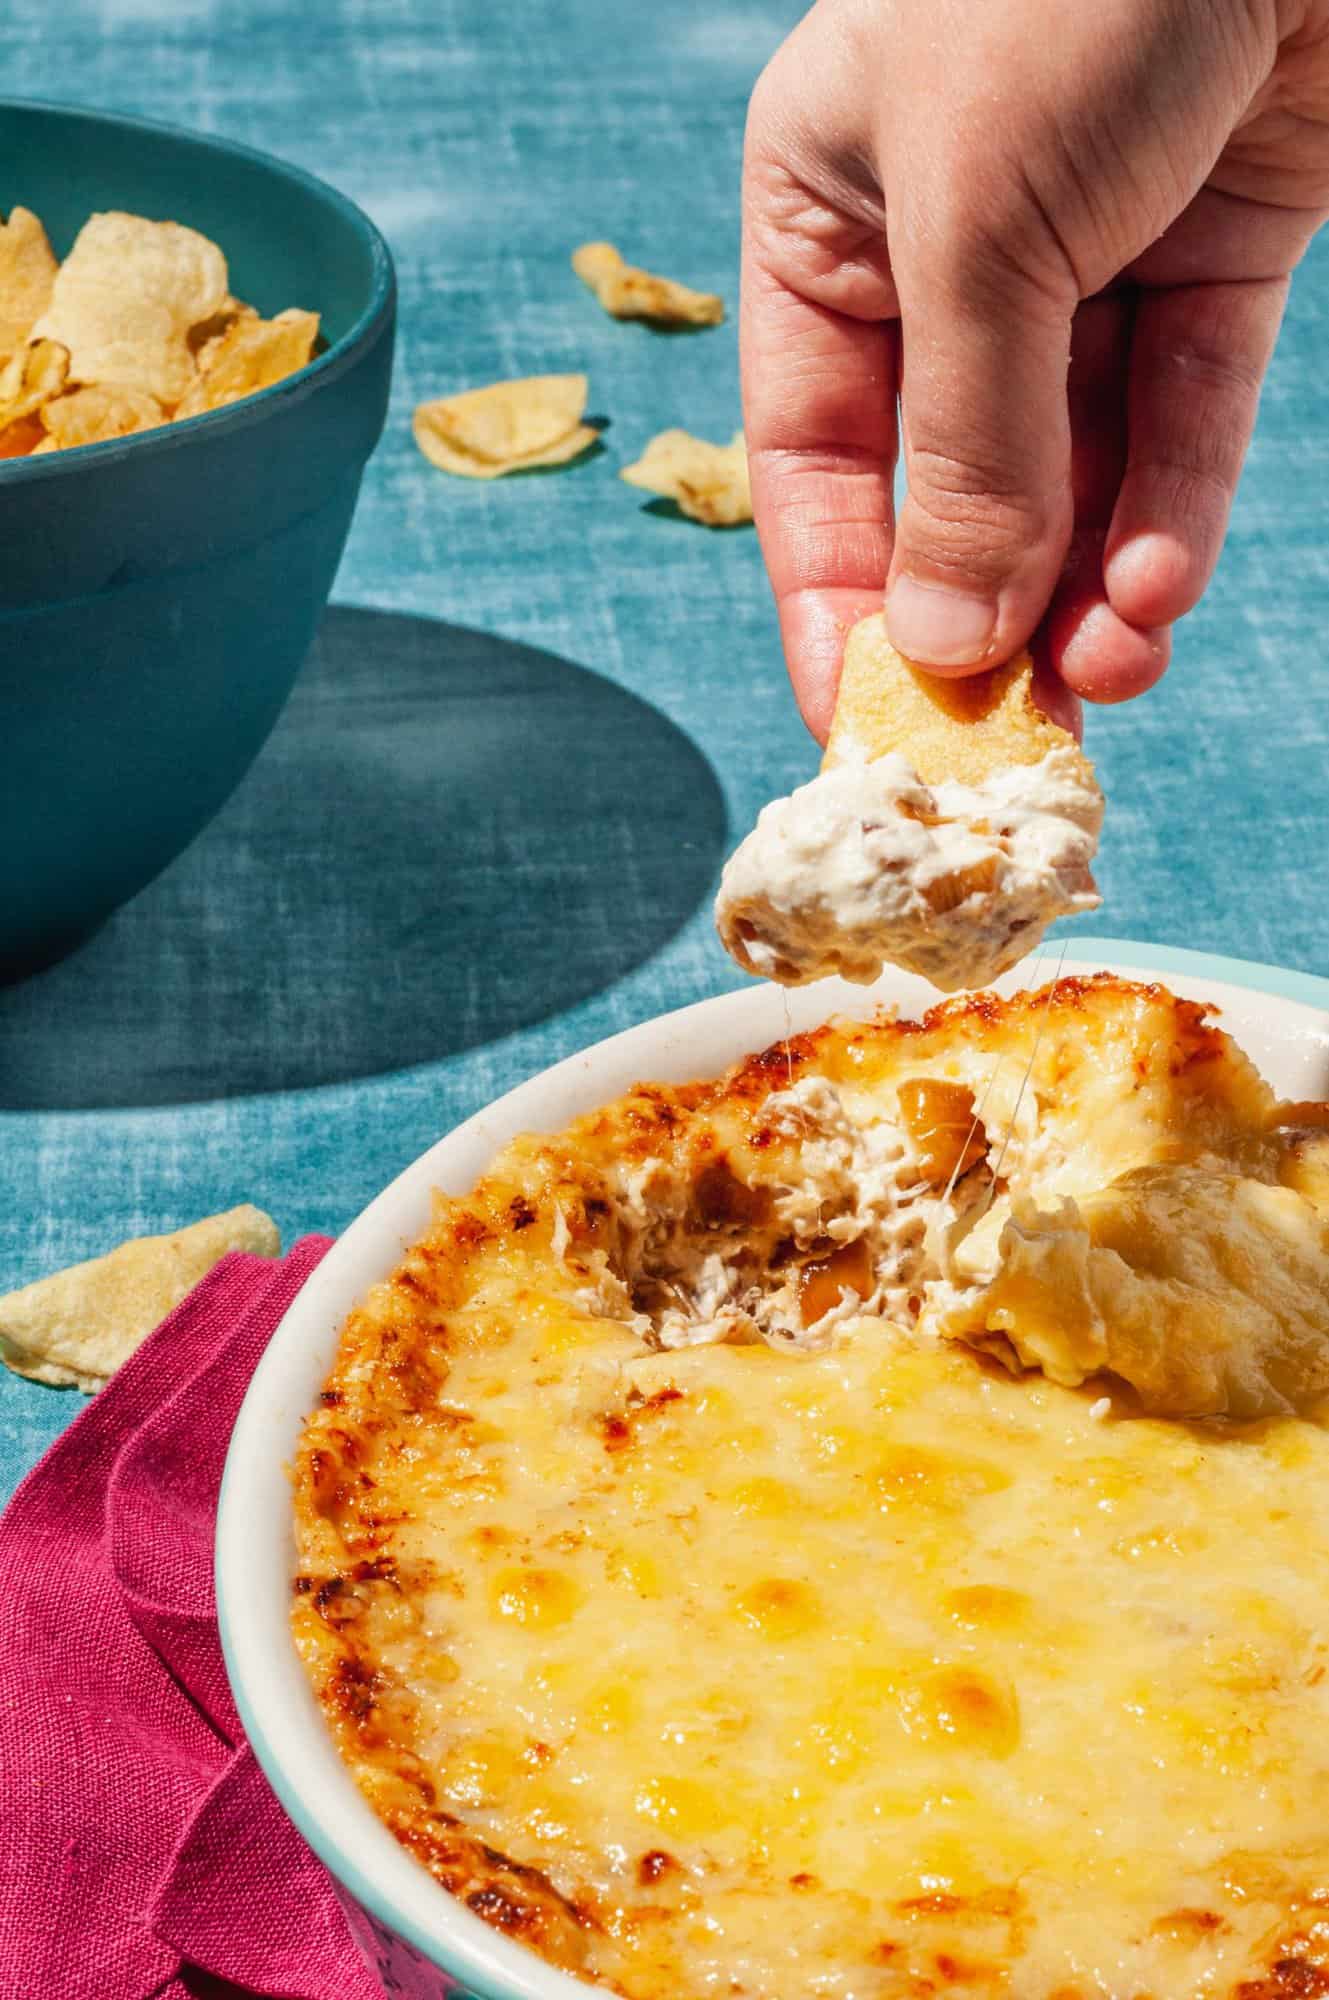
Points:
(708, 481)
(77, 1326)
(627, 292)
(27, 273)
(125, 299)
(513, 426)
(968, 728)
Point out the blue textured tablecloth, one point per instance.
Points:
(462, 857)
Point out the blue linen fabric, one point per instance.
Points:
(486, 831)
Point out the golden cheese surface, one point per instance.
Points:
(866, 1668)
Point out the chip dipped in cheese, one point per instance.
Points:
(950, 824)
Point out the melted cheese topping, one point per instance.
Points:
(1205, 1291)
(861, 1670)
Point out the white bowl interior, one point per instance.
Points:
(1287, 1037)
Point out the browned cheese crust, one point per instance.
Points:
(475, 1447)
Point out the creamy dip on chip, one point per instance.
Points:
(868, 865)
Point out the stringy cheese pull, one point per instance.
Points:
(1204, 1292)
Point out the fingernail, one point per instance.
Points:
(936, 626)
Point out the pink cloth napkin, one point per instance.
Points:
(142, 1855)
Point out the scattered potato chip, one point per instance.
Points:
(97, 413)
(506, 427)
(27, 273)
(630, 293)
(125, 299)
(447, 459)
(79, 1325)
(31, 377)
(709, 481)
(508, 420)
(250, 355)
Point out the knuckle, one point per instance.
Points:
(784, 209)
(1186, 490)
(795, 241)
(1199, 399)
(988, 549)
(1206, 369)
(949, 249)
(824, 517)
(767, 103)
(990, 251)
(972, 516)
(834, 555)
(1200, 441)
(960, 554)
(820, 462)
(802, 229)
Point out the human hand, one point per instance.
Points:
(1062, 233)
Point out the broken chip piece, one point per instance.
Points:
(248, 355)
(708, 481)
(27, 273)
(125, 299)
(23, 439)
(30, 378)
(205, 338)
(506, 426)
(102, 411)
(77, 1326)
(628, 292)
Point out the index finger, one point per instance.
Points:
(819, 390)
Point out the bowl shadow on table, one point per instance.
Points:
(449, 836)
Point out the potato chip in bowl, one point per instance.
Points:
(188, 397)
(136, 328)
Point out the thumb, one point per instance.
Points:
(987, 522)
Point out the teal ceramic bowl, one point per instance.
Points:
(158, 593)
